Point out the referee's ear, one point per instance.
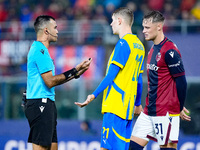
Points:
(46, 31)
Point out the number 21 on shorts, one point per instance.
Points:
(105, 132)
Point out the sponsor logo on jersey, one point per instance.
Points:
(152, 67)
(175, 65)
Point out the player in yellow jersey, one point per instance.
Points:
(121, 84)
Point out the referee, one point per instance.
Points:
(40, 108)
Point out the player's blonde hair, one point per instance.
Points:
(126, 13)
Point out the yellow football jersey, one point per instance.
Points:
(119, 97)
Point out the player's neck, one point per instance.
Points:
(160, 37)
(124, 31)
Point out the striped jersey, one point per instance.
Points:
(164, 63)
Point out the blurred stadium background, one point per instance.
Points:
(84, 31)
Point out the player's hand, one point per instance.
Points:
(83, 66)
(87, 101)
(138, 110)
(185, 116)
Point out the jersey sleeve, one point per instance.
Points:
(112, 73)
(181, 86)
(121, 54)
(174, 63)
(43, 61)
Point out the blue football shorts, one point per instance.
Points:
(116, 132)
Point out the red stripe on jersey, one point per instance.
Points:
(165, 39)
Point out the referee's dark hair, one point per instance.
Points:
(155, 15)
(126, 13)
(41, 22)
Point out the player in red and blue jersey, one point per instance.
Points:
(164, 65)
(166, 90)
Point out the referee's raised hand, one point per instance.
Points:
(86, 102)
(83, 66)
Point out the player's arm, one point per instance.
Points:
(120, 57)
(112, 73)
(175, 65)
(181, 86)
(138, 106)
(176, 68)
(52, 81)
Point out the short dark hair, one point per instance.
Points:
(125, 12)
(155, 15)
(40, 21)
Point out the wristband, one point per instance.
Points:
(76, 76)
(72, 72)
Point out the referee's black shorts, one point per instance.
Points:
(42, 118)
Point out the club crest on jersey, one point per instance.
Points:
(158, 56)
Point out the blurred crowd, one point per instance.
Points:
(27, 10)
(17, 16)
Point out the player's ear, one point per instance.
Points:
(159, 26)
(119, 20)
